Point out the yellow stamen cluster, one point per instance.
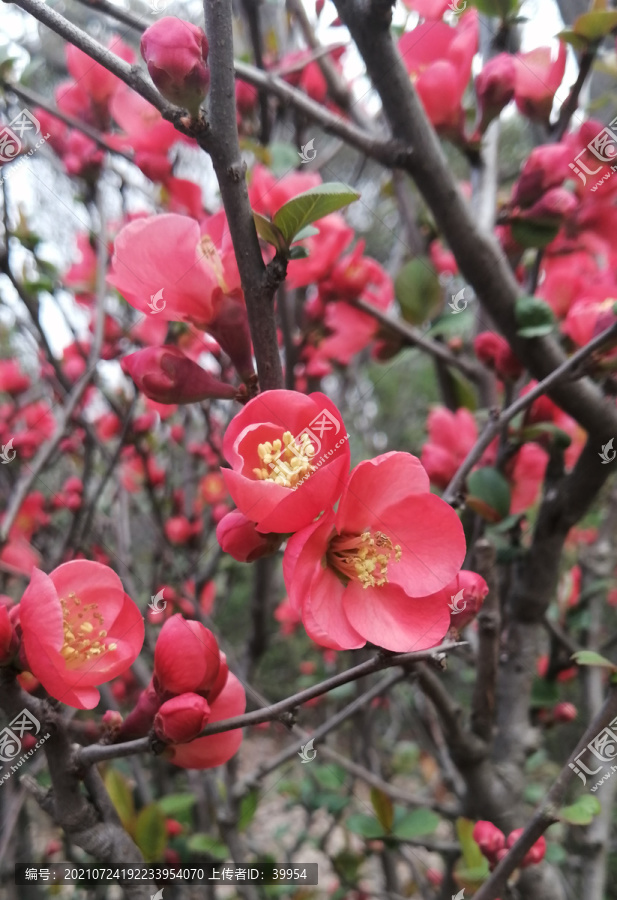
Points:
(213, 259)
(364, 558)
(83, 635)
(286, 462)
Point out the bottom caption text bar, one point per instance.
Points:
(221, 873)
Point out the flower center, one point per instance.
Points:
(363, 557)
(83, 635)
(213, 259)
(286, 462)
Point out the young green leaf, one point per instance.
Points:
(269, 232)
(310, 206)
(591, 658)
(150, 832)
(581, 812)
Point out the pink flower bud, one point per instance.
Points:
(176, 52)
(179, 530)
(494, 351)
(166, 375)
(495, 87)
(556, 203)
(546, 167)
(534, 855)
(470, 589)
(238, 536)
(180, 719)
(187, 658)
(564, 712)
(489, 838)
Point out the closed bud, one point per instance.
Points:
(238, 536)
(489, 838)
(176, 52)
(180, 719)
(166, 375)
(564, 712)
(495, 87)
(186, 657)
(534, 855)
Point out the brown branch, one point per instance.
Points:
(548, 811)
(487, 657)
(96, 752)
(496, 423)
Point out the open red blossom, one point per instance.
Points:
(79, 629)
(538, 75)
(366, 572)
(289, 458)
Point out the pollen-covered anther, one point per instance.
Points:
(364, 558)
(78, 646)
(287, 461)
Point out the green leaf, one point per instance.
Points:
(310, 206)
(150, 832)
(543, 693)
(591, 658)
(331, 777)
(298, 253)
(501, 8)
(534, 232)
(384, 808)
(415, 824)
(269, 232)
(177, 806)
(365, 826)
(559, 437)
(206, 844)
(571, 37)
(534, 317)
(472, 856)
(417, 290)
(581, 812)
(555, 854)
(488, 494)
(121, 796)
(308, 231)
(248, 808)
(282, 157)
(593, 26)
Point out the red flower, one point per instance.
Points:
(495, 87)
(439, 59)
(186, 657)
(12, 379)
(166, 375)
(182, 718)
(466, 594)
(289, 457)
(365, 572)
(538, 76)
(489, 838)
(79, 629)
(175, 52)
(494, 351)
(451, 437)
(238, 536)
(98, 83)
(207, 752)
(534, 855)
(289, 617)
